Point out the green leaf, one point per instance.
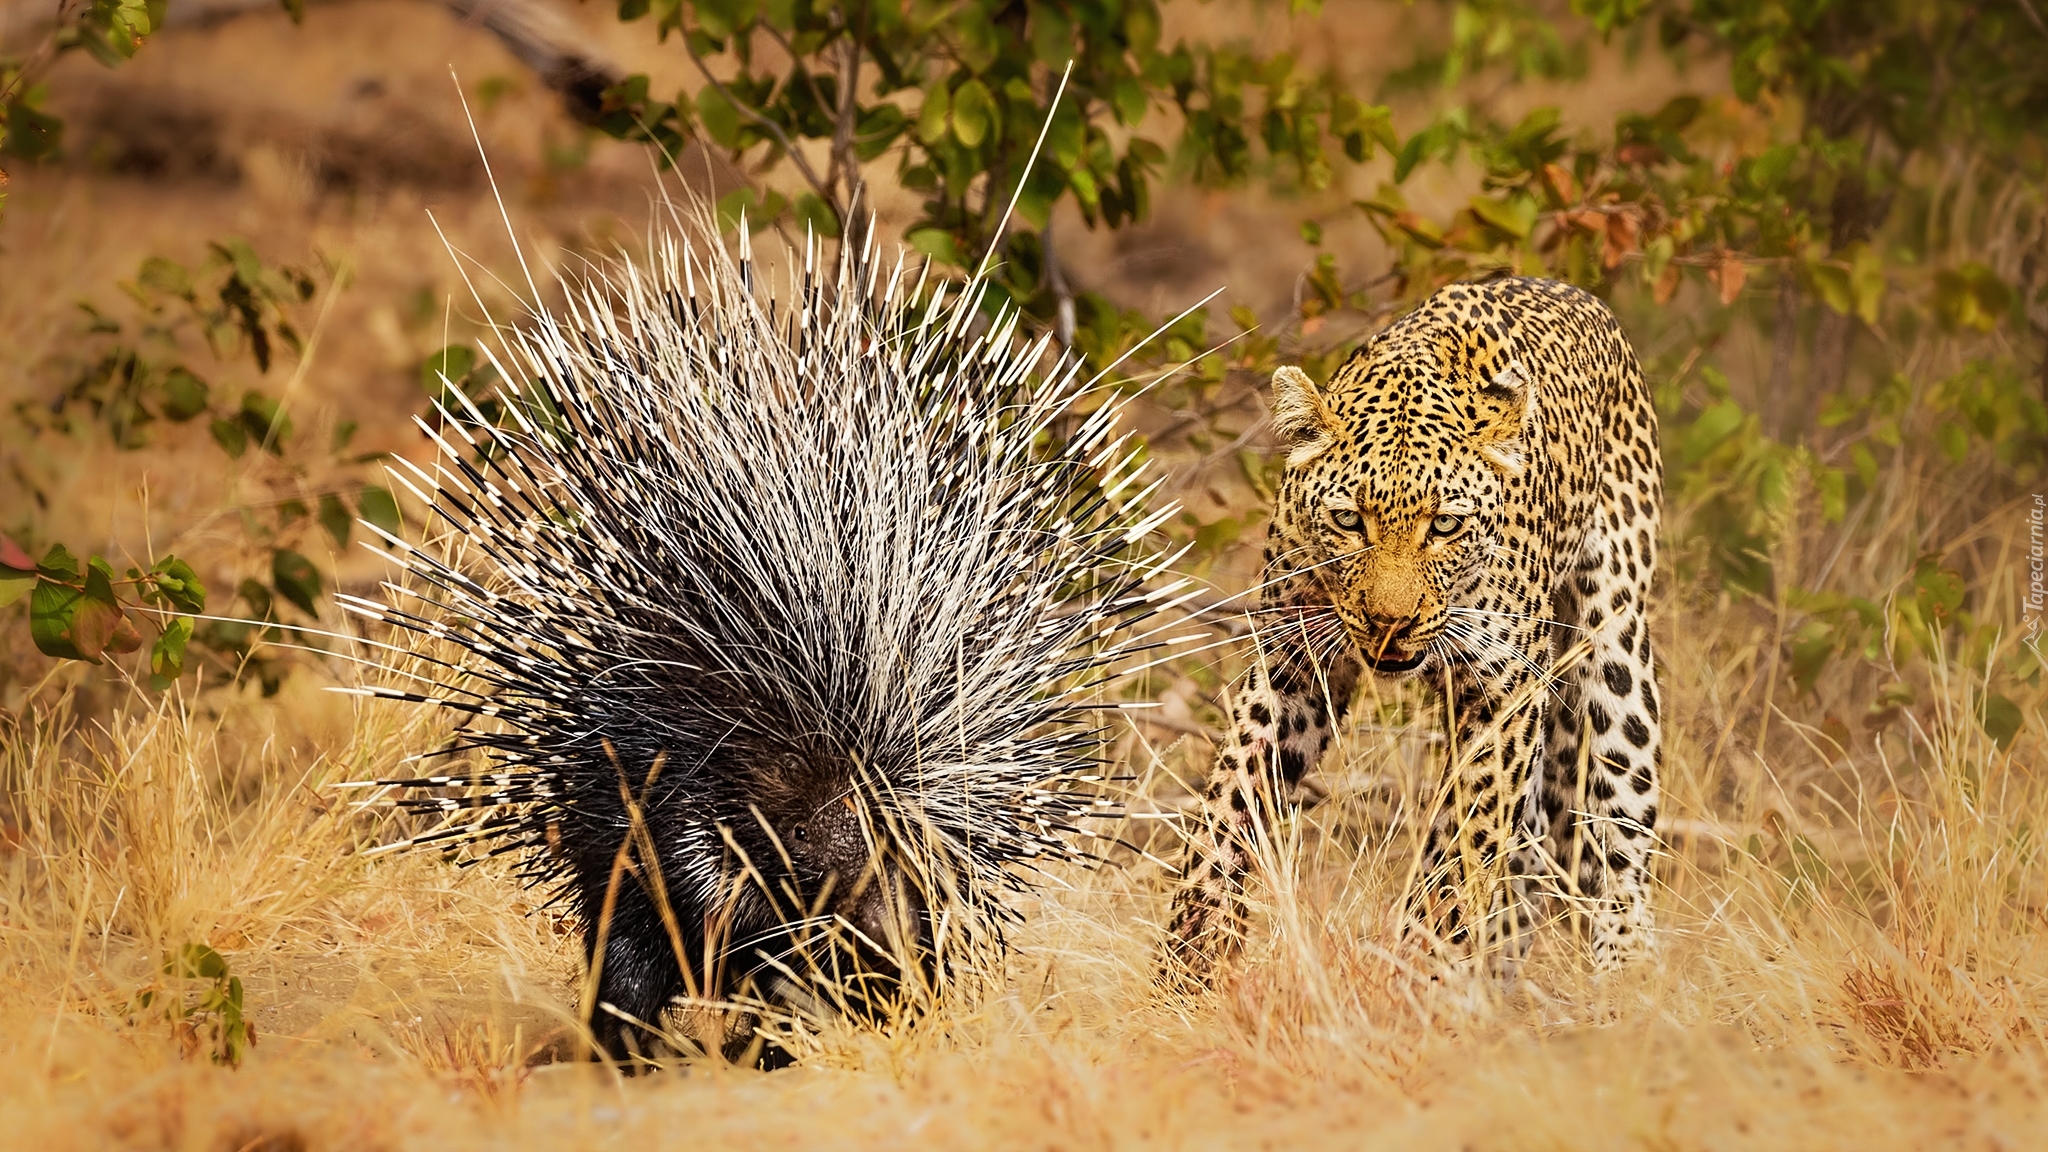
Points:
(1867, 283)
(52, 617)
(165, 276)
(720, 119)
(2002, 720)
(14, 586)
(974, 114)
(1833, 486)
(1711, 430)
(177, 585)
(878, 128)
(59, 564)
(185, 395)
(1972, 297)
(813, 213)
(30, 134)
(248, 268)
(265, 421)
(1832, 284)
(196, 962)
(1940, 590)
(296, 580)
(1954, 441)
(231, 436)
(17, 571)
(447, 368)
(1515, 215)
(760, 211)
(976, 37)
(935, 243)
(71, 622)
(1052, 36)
(335, 518)
(932, 118)
(1677, 113)
(1130, 100)
(378, 507)
(258, 597)
(1812, 647)
(167, 655)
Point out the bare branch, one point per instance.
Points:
(550, 44)
(1064, 319)
(67, 14)
(796, 157)
(534, 31)
(845, 158)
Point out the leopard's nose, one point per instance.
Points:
(1389, 627)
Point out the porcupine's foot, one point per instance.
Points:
(639, 979)
(755, 1049)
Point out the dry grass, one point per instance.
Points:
(1852, 957)
(1855, 939)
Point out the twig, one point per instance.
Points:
(67, 14)
(845, 160)
(547, 42)
(534, 31)
(1056, 279)
(796, 157)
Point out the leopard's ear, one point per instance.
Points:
(1304, 424)
(1506, 410)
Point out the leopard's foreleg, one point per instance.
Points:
(1283, 713)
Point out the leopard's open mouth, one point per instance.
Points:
(1393, 662)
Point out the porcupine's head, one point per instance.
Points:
(800, 605)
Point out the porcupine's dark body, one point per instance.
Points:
(801, 587)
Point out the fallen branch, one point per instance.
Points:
(534, 31)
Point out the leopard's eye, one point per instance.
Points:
(1446, 525)
(1346, 519)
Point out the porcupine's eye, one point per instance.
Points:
(1446, 525)
(1346, 519)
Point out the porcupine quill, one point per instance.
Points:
(782, 632)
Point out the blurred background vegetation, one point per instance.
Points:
(1822, 223)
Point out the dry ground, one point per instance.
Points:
(1853, 948)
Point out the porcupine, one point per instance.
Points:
(777, 627)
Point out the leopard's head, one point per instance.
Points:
(1401, 484)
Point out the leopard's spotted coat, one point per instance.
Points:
(1477, 494)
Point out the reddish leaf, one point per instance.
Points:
(1666, 286)
(1621, 239)
(1590, 220)
(93, 627)
(14, 560)
(1640, 152)
(125, 638)
(1561, 184)
(1730, 272)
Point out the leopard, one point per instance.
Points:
(1473, 501)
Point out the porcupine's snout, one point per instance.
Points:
(861, 899)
